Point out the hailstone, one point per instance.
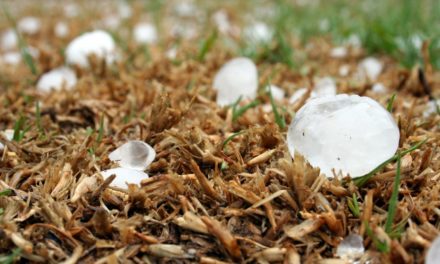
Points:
(351, 247)
(29, 25)
(145, 33)
(57, 79)
(258, 32)
(9, 40)
(135, 154)
(237, 78)
(370, 68)
(347, 133)
(9, 135)
(124, 176)
(433, 255)
(98, 43)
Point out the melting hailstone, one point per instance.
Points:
(135, 155)
(98, 43)
(9, 134)
(61, 29)
(351, 247)
(433, 255)
(124, 176)
(238, 77)
(370, 68)
(57, 79)
(348, 133)
(145, 33)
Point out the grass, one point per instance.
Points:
(9, 259)
(239, 111)
(231, 137)
(19, 128)
(24, 49)
(382, 246)
(354, 206)
(279, 119)
(362, 180)
(206, 45)
(390, 103)
(392, 207)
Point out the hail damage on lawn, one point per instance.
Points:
(223, 187)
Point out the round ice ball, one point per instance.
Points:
(347, 133)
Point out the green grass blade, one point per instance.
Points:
(231, 137)
(392, 207)
(207, 45)
(360, 181)
(390, 103)
(9, 259)
(5, 192)
(279, 119)
(354, 206)
(382, 246)
(18, 126)
(236, 113)
(101, 130)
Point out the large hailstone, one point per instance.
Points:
(56, 79)
(237, 78)
(145, 33)
(135, 154)
(348, 133)
(98, 43)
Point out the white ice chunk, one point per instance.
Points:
(258, 32)
(124, 176)
(171, 53)
(379, 88)
(9, 40)
(124, 10)
(99, 43)
(56, 79)
(238, 77)
(338, 52)
(9, 134)
(297, 95)
(277, 92)
(185, 8)
(347, 133)
(11, 58)
(61, 29)
(324, 87)
(433, 255)
(221, 20)
(111, 22)
(145, 33)
(370, 68)
(431, 108)
(29, 25)
(134, 154)
(344, 70)
(351, 247)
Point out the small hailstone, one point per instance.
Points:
(324, 87)
(344, 70)
(354, 41)
(171, 53)
(221, 20)
(277, 92)
(145, 33)
(61, 29)
(29, 25)
(431, 108)
(135, 155)
(297, 95)
(111, 22)
(56, 79)
(338, 52)
(9, 134)
(433, 255)
(11, 58)
(237, 78)
(9, 40)
(379, 88)
(124, 176)
(98, 42)
(371, 68)
(351, 247)
(258, 32)
(185, 8)
(124, 10)
(71, 10)
(348, 133)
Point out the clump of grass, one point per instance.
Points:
(20, 129)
